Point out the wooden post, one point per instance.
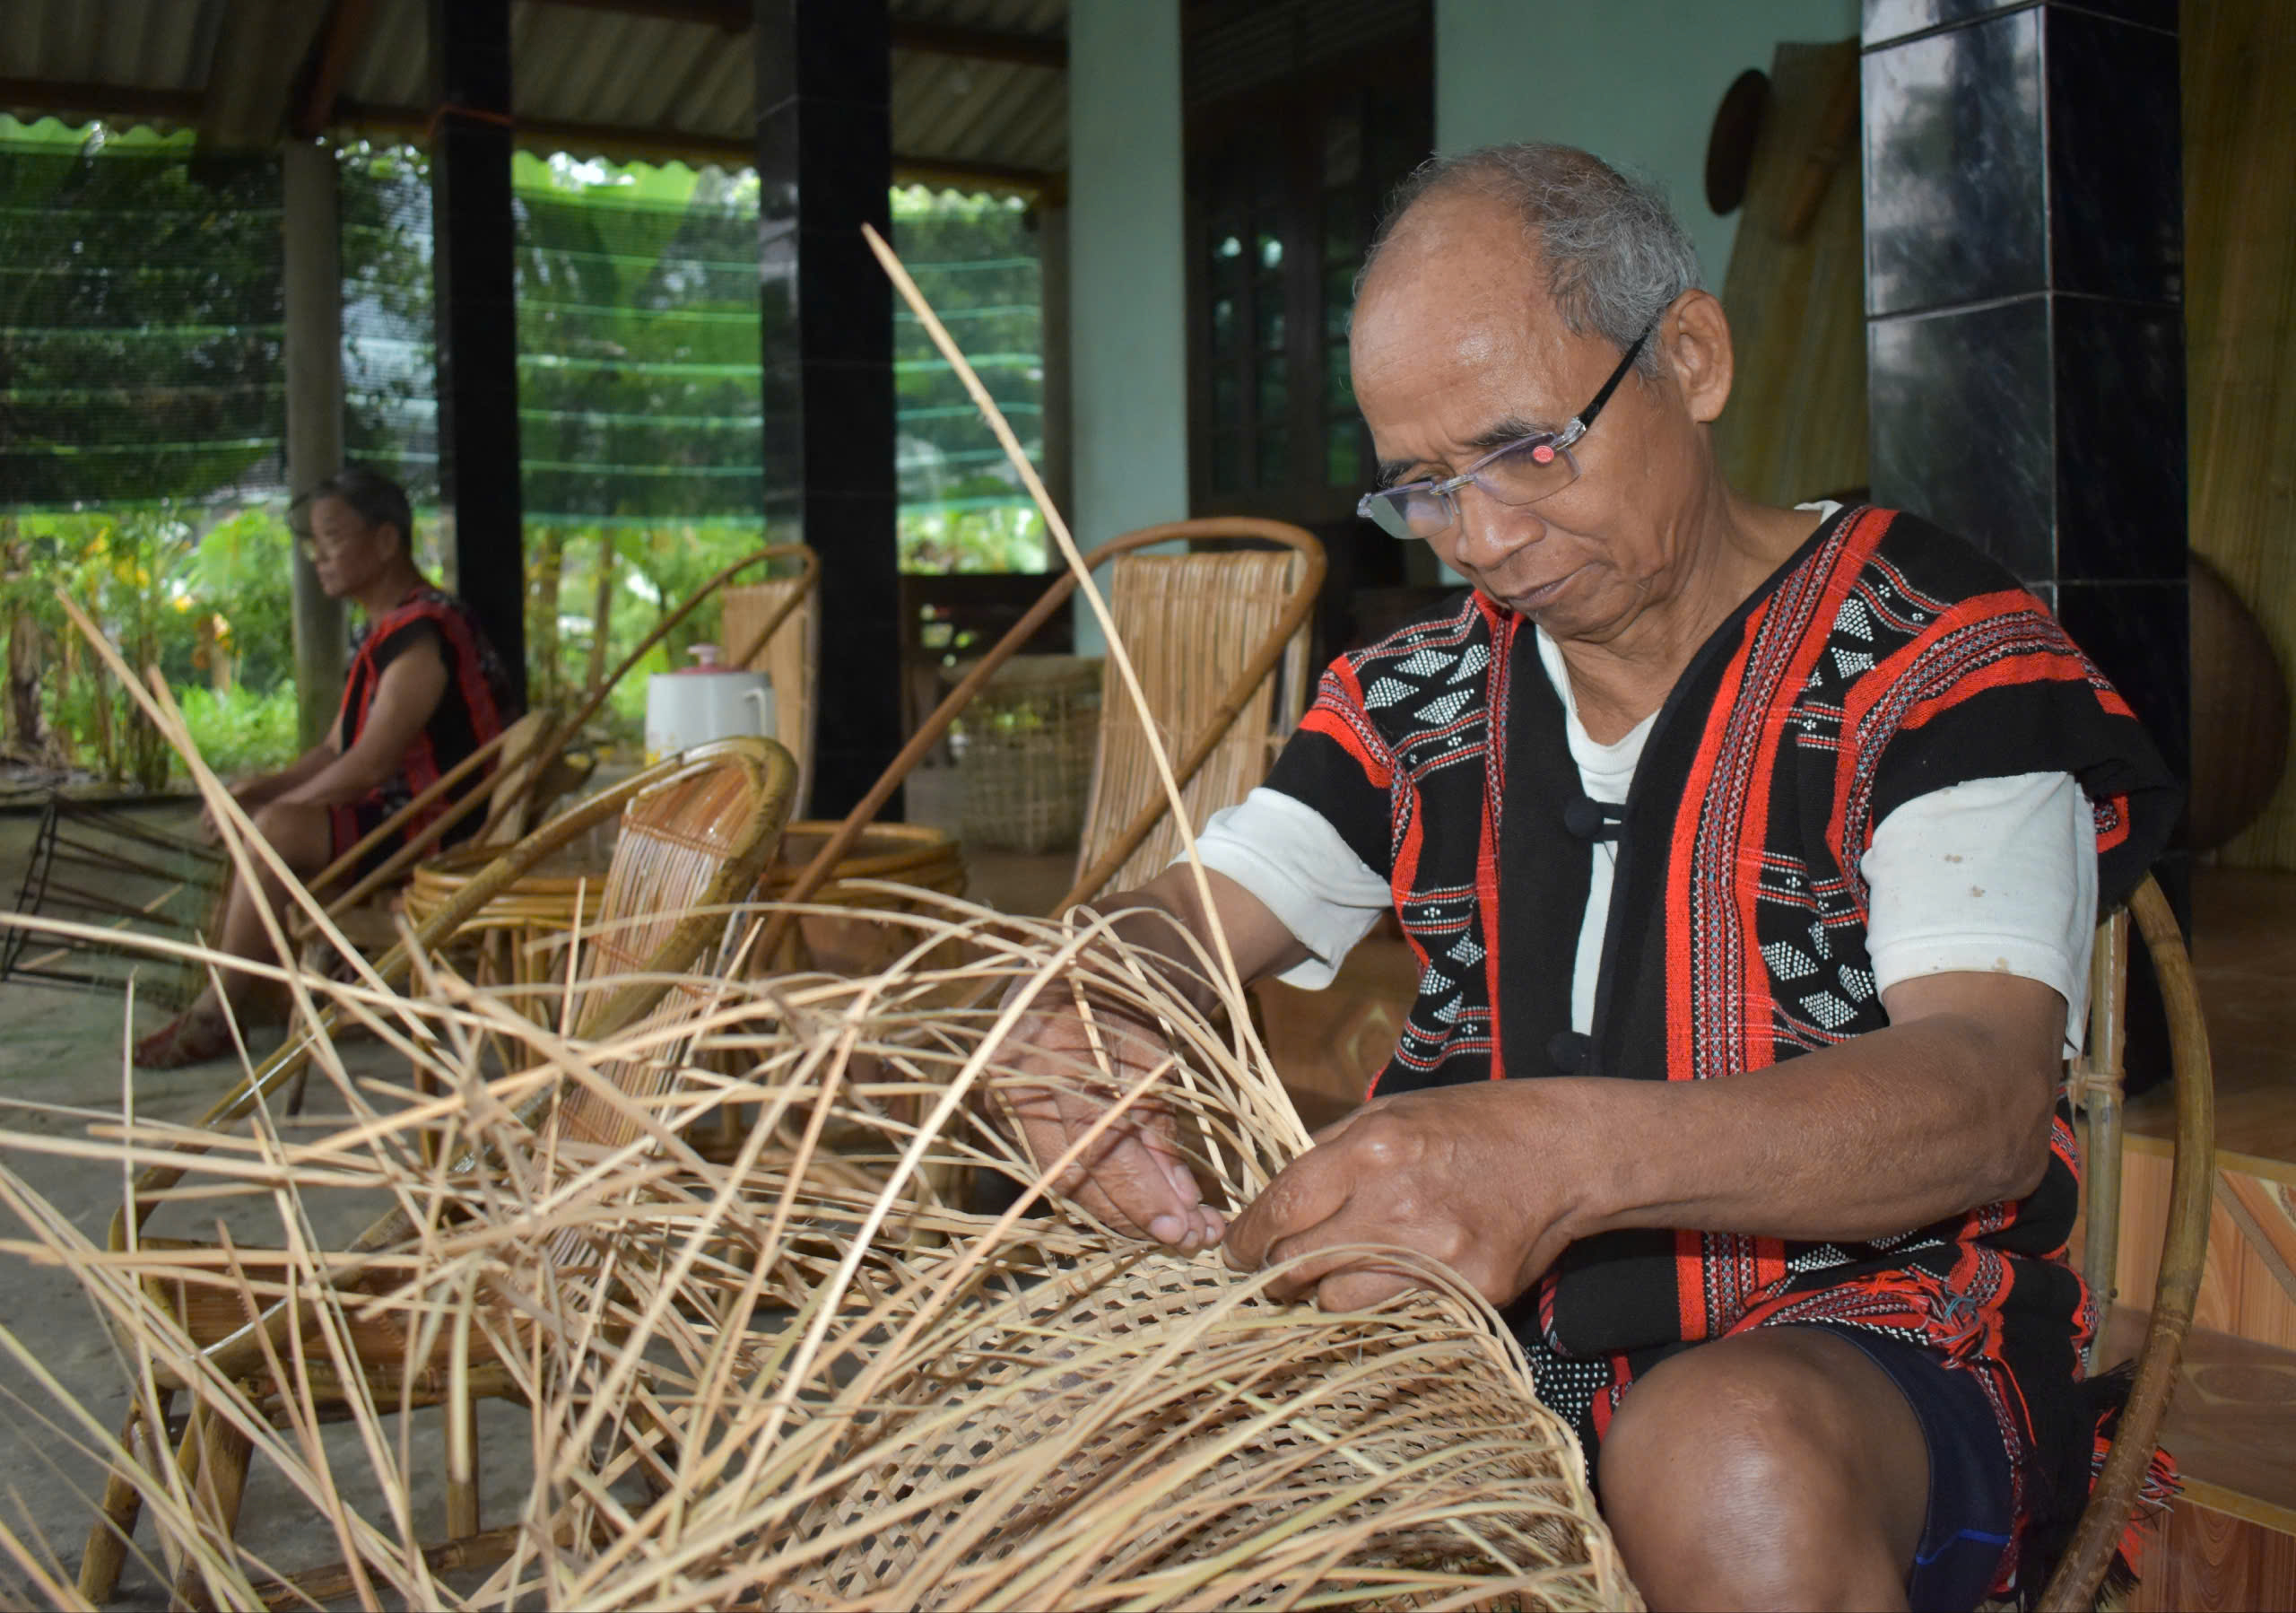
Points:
(314, 353)
(1052, 257)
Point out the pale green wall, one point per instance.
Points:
(1635, 82)
(1127, 297)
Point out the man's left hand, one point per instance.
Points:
(1472, 1176)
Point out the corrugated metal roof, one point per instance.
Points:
(584, 78)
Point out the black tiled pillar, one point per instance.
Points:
(477, 315)
(824, 157)
(2025, 327)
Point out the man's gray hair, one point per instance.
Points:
(1615, 256)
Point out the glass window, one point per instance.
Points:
(1272, 388)
(1227, 461)
(1267, 312)
(1275, 467)
(1342, 454)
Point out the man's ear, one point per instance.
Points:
(1694, 336)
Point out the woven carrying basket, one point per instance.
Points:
(1278, 1453)
(1024, 750)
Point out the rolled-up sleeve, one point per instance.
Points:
(1300, 869)
(1991, 876)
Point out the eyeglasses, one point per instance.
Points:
(1521, 472)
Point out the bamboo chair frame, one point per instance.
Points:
(674, 927)
(1197, 625)
(1276, 643)
(2097, 1080)
(779, 621)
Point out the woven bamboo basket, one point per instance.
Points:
(1054, 1452)
(1024, 753)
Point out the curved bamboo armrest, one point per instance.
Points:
(809, 571)
(2184, 1255)
(817, 872)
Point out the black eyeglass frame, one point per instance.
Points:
(1369, 506)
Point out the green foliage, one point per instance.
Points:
(979, 529)
(239, 572)
(141, 385)
(240, 731)
(209, 608)
(654, 568)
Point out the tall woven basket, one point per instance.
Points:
(1024, 753)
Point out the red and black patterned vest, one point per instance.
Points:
(1884, 660)
(475, 705)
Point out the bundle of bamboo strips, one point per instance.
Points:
(798, 1376)
(793, 1379)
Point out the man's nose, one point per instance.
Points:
(1490, 531)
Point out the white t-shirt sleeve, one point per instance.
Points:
(1288, 855)
(1995, 875)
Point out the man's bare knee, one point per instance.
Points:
(1736, 1477)
(301, 834)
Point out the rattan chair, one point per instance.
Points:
(2096, 1081)
(1196, 625)
(1211, 634)
(697, 832)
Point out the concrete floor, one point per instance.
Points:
(66, 1047)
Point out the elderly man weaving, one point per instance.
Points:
(1758, 850)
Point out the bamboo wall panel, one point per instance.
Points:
(2242, 1292)
(2199, 1560)
(791, 658)
(2240, 98)
(1796, 426)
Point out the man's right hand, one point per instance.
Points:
(1132, 1175)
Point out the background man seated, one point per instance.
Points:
(1751, 856)
(424, 690)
